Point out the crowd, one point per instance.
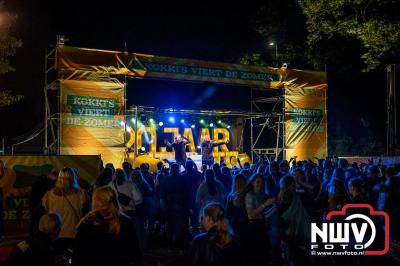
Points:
(249, 215)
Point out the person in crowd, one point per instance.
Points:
(272, 180)
(39, 188)
(210, 190)
(389, 199)
(224, 179)
(144, 209)
(145, 169)
(69, 200)
(294, 223)
(207, 147)
(256, 202)
(128, 194)
(179, 146)
(111, 166)
(216, 246)
(337, 195)
(105, 236)
(372, 179)
(176, 203)
(284, 167)
(192, 179)
(355, 188)
(227, 172)
(127, 167)
(40, 248)
(103, 179)
(235, 208)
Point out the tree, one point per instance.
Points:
(8, 48)
(375, 24)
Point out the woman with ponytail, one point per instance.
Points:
(210, 190)
(105, 236)
(216, 247)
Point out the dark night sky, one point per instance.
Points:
(195, 29)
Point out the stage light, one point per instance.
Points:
(199, 147)
(143, 149)
(182, 120)
(211, 124)
(202, 121)
(228, 126)
(193, 126)
(161, 124)
(151, 120)
(128, 129)
(171, 119)
(219, 121)
(122, 123)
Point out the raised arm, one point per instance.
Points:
(166, 142)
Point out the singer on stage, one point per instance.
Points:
(206, 150)
(179, 146)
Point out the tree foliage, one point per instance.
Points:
(8, 48)
(375, 24)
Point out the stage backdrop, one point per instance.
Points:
(23, 171)
(305, 114)
(92, 117)
(305, 93)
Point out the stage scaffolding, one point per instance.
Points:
(51, 90)
(266, 115)
(272, 103)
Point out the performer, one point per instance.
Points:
(206, 150)
(179, 146)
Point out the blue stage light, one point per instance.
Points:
(143, 149)
(202, 121)
(228, 126)
(182, 120)
(193, 126)
(161, 124)
(171, 119)
(151, 120)
(211, 124)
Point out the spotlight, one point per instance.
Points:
(219, 121)
(128, 129)
(228, 126)
(171, 119)
(122, 123)
(202, 121)
(161, 124)
(193, 126)
(211, 124)
(143, 149)
(182, 120)
(199, 147)
(151, 120)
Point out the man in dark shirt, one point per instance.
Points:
(179, 146)
(207, 148)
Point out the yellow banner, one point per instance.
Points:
(21, 172)
(92, 118)
(305, 115)
(144, 65)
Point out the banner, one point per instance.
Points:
(143, 65)
(305, 115)
(21, 172)
(92, 118)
